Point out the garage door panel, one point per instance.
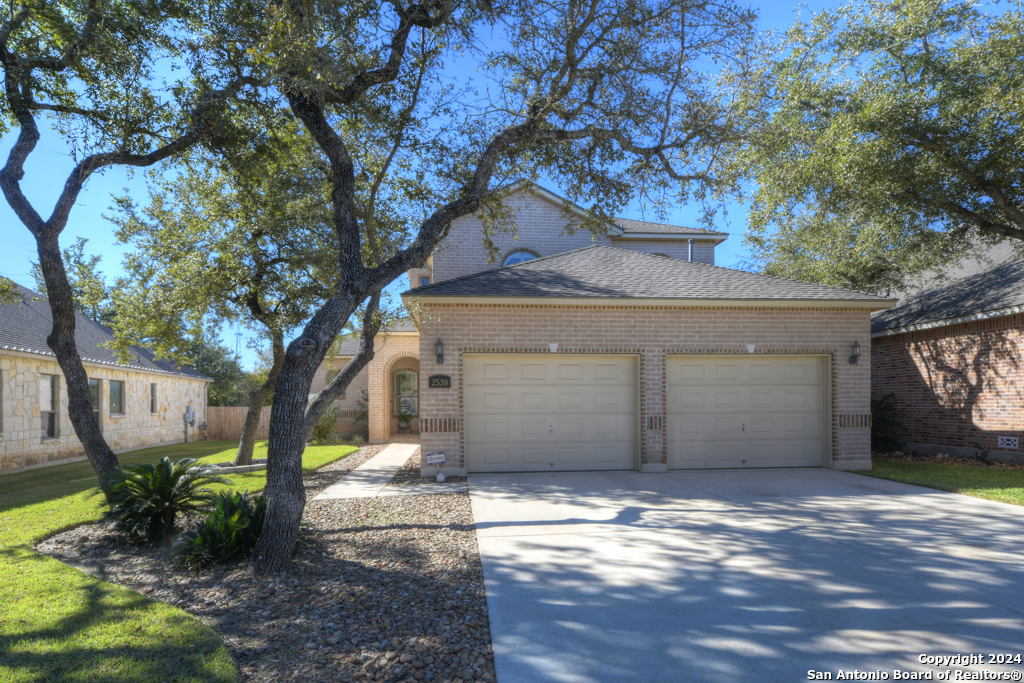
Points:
(564, 413)
(763, 412)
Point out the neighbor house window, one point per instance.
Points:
(116, 398)
(424, 281)
(49, 399)
(152, 398)
(406, 392)
(95, 398)
(518, 257)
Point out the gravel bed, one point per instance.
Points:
(382, 589)
(409, 475)
(944, 459)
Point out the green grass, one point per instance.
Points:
(59, 624)
(993, 483)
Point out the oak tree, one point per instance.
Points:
(91, 71)
(889, 143)
(610, 98)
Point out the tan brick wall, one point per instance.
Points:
(345, 424)
(955, 384)
(21, 443)
(652, 333)
(541, 230)
(387, 352)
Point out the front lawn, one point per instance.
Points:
(58, 624)
(993, 483)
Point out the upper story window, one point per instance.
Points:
(424, 281)
(518, 257)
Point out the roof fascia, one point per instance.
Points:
(22, 353)
(877, 305)
(676, 236)
(997, 313)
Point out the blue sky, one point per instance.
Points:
(51, 162)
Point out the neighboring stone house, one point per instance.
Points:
(626, 350)
(952, 355)
(138, 404)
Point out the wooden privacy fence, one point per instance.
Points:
(225, 422)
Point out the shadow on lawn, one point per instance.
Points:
(74, 643)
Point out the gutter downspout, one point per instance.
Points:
(690, 255)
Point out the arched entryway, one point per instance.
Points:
(402, 389)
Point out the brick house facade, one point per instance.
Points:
(665, 302)
(950, 355)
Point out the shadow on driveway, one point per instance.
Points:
(755, 575)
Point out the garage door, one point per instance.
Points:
(549, 413)
(745, 412)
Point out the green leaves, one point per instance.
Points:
(891, 138)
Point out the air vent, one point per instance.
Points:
(1008, 442)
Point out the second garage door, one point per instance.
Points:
(549, 413)
(730, 411)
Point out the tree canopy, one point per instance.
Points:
(90, 291)
(891, 141)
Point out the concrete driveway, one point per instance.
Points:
(736, 576)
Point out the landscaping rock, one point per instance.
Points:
(389, 582)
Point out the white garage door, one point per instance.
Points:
(549, 413)
(745, 412)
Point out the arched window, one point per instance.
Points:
(406, 393)
(518, 257)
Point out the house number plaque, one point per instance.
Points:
(440, 382)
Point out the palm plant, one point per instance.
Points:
(146, 499)
(229, 531)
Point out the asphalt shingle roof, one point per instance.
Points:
(977, 291)
(607, 272)
(24, 327)
(629, 225)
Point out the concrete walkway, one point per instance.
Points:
(736, 576)
(371, 479)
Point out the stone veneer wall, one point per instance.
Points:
(21, 444)
(956, 384)
(541, 230)
(653, 333)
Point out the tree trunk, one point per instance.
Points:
(257, 397)
(289, 430)
(62, 342)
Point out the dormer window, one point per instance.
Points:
(518, 257)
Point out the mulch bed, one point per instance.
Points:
(382, 589)
(409, 475)
(941, 459)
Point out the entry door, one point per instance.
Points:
(745, 412)
(550, 413)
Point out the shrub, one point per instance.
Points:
(229, 532)
(325, 425)
(357, 440)
(884, 424)
(146, 499)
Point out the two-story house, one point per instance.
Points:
(624, 350)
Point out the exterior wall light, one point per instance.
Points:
(439, 347)
(856, 353)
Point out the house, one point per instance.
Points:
(952, 356)
(139, 403)
(625, 350)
